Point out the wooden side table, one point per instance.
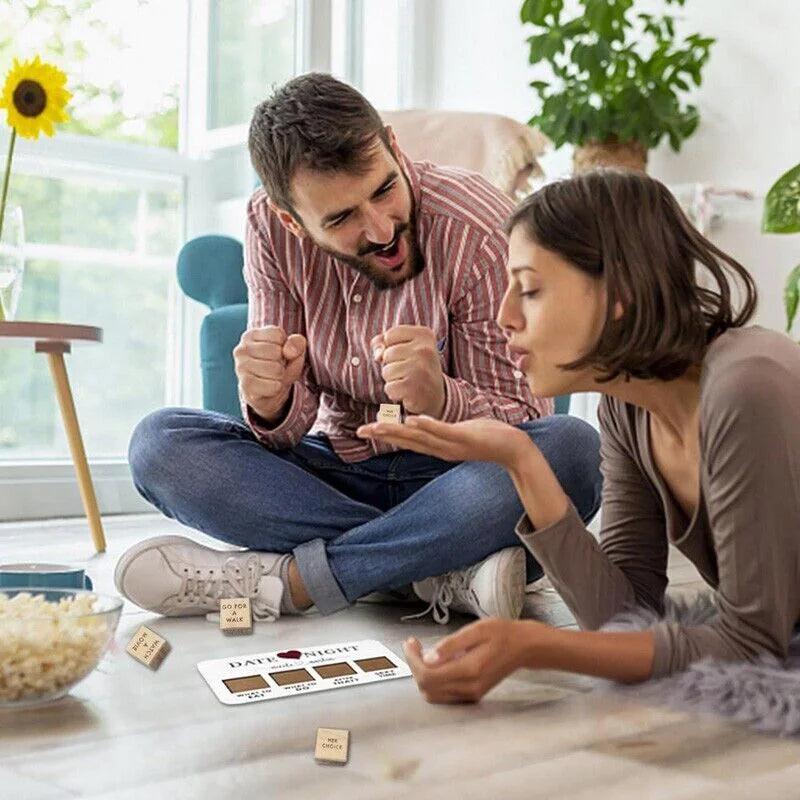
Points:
(55, 339)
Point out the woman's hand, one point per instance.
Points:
(464, 666)
(473, 440)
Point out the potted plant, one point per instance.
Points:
(782, 215)
(619, 79)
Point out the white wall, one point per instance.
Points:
(475, 58)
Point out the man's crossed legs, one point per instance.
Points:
(346, 529)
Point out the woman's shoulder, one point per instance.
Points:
(746, 366)
(618, 418)
(748, 392)
(751, 343)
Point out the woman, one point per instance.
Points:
(700, 441)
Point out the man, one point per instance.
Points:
(371, 280)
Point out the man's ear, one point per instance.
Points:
(287, 220)
(394, 147)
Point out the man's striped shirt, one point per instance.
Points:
(296, 285)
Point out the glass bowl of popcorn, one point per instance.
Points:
(50, 639)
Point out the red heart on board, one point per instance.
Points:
(290, 654)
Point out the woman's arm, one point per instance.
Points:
(543, 499)
(626, 657)
(467, 664)
(628, 567)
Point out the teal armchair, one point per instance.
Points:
(210, 271)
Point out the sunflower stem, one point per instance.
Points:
(6, 178)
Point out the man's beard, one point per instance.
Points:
(379, 278)
(381, 281)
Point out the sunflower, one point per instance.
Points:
(35, 97)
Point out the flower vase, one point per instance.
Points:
(12, 260)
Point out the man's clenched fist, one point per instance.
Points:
(267, 364)
(411, 368)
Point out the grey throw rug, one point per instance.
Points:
(764, 694)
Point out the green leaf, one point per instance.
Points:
(582, 56)
(545, 46)
(560, 123)
(782, 204)
(603, 17)
(537, 11)
(791, 296)
(538, 46)
(528, 11)
(574, 28)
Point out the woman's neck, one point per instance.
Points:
(674, 405)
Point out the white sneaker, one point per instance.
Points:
(175, 576)
(494, 587)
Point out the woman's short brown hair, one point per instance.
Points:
(313, 121)
(628, 230)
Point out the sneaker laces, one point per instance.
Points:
(242, 583)
(452, 588)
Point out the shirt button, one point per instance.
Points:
(355, 361)
(517, 374)
(356, 298)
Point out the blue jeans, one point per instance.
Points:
(375, 525)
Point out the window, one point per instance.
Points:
(251, 47)
(380, 47)
(123, 59)
(370, 44)
(155, 153)
(100, 250)
(104, 217)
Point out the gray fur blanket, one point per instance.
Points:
(765, 694)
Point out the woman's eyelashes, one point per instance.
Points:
(529, 293)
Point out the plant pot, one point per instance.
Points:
(12, 261)
(609, 153)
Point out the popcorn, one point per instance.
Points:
(46, 647)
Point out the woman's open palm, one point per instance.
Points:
(472, 440)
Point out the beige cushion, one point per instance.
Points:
(503, 150)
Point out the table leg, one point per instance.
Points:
(58, 371)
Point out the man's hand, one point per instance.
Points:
(267, 364)
(411, 368)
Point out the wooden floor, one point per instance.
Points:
(127, 732)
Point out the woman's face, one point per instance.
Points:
(552, 313)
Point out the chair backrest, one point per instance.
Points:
(210, 270)
(501, 149)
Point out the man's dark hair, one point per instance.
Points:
(315, 122)
(628, 230)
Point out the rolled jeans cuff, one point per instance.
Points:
(323, 589)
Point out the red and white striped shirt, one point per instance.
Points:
(294, 284)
